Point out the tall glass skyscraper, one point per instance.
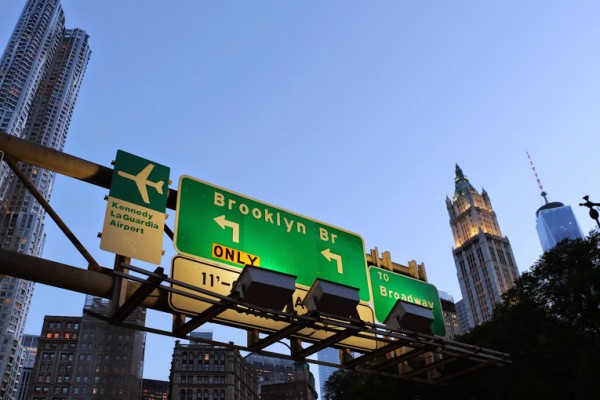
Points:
(41, 71)
(328, 354)
(556, 222)
(483, 257)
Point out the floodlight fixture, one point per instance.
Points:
(265, 288)
(332, 298)
(410, 316)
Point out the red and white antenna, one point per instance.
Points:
(537, 178)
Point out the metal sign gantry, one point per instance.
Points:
(395, 352)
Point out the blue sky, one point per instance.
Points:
(353, 113)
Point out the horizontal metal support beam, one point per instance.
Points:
(334, 339)
(380, 352)
(73, 278)
(398, 359)
(63, 163)
(277, 336)
(201, 319)
(431, 366)
(142, 292)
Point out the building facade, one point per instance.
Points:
(461, 314)
(81, 358)
(282, 379)
(29, 344)
(109, 362)
(484, 259)
(153, 389)
(53, 368)
(556, 222)
(206, 372)
(331, 355)
(41, 71)
(450, 315)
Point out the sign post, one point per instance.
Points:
(135, 214)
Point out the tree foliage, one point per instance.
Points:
(549, 323)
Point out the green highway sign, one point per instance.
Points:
(389, 287)
(222, 226)
(135, 212)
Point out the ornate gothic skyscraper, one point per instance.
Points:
(484, 259)
(41, 71)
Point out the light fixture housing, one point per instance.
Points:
(409, 316)
(332, 298)
(265, 288)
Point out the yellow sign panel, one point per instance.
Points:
(220, 279)
(235, 256)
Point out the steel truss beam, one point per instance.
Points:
(128, 291)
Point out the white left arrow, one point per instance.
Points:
(235, 227)
(332, 256)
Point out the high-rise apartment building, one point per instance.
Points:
(484, 260)
(41, 71)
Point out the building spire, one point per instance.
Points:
(461, 183)
(537, 178)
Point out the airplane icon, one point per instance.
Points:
(142, 182)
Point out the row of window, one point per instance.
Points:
(201, 394)
(64, 346)
(202, 379)
(185, 357)
(59, 378)
(57, 389)
(58, 325)
(52, 356)
(57, 335)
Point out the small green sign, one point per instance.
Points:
(140, 181)
(216, 224)
(389, 287)
(135, 213)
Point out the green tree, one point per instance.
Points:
(351, 385)
(549, 323)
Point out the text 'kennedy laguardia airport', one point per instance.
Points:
(269, 216)
(130, 219)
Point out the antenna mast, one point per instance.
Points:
(537, 178)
